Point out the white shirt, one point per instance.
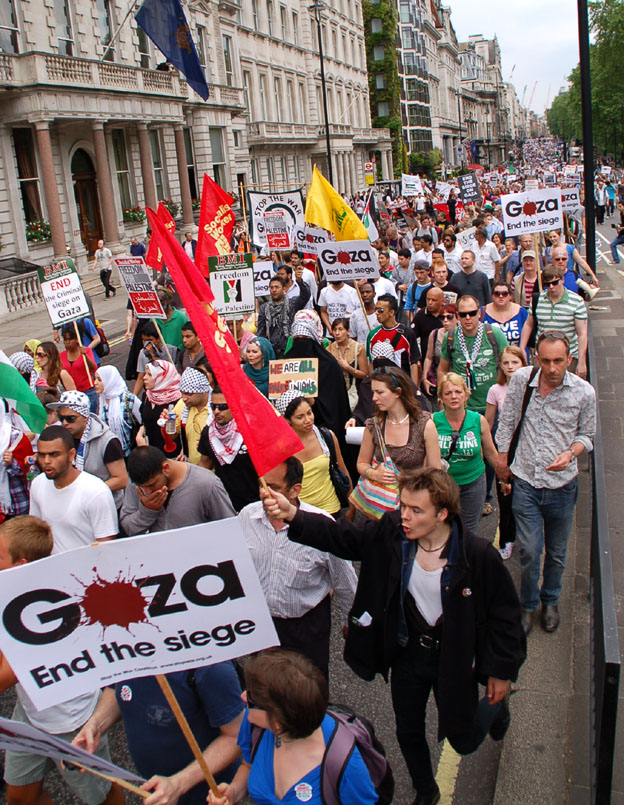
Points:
(310, 280)
(78, 514)
(453, 258)
(424, 587)
(64, 717)
(188, 248)
(358, 329)
(485, 257)
(421, 254)
(294, 577)
(383, 285)
(102, 258)
(340, 303)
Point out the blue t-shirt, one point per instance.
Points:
(89, 334)
(209, 698)
(512, 328)
(355, 787)
(414, 292)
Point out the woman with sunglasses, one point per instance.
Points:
(574, 263)
(51, 372)
(464, 437)
(507, 314)
(284, 735)
(448, 317)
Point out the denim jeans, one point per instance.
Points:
(618, 241)
(471, 500)
(93, 397)
(543, 518)
(414, 675)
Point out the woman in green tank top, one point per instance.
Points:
(464, 437)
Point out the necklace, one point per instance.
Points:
(399, 421)
(431, 550)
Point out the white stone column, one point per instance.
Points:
(339, 165)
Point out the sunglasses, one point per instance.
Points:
(67, 418)
(551, 284)
(219, 406)
(447, 316)
(251, 704)
(465, 313)
(553, 335)
(40, 355)
(380, 310)
(500, 293)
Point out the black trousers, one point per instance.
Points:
(105, 275)
(414, 676)
(309, 634)
(506, 522)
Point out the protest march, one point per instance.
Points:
(326, 399)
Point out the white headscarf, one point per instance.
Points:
(10, 436)
(113, 389)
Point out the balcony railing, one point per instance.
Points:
(20, 293)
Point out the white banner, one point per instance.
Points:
(410, 185)
(535, 211)
(19, 737)
(444, 189)
(466, 238)
(308, 238)
(570, 199)
(606, 170)
(263, 271)
(62, 292)
(260, 203)
(348, 260)
(88, 618)
(531, 184)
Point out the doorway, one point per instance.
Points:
(87, 202)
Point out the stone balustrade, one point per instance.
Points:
(20, 295)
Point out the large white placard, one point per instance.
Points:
(260, 203)
(143, 295)
(570, 199)
(348, 260)
(534, 211)
(466, 238)
(263, 271)
(163, 602)
(308, 238)
(62, 292)
(410, 185)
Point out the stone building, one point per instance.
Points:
(92, 124)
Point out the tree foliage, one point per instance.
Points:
(564, 115)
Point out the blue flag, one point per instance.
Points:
(165, 24)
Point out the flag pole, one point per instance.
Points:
(188, 733)
(109, 45)
(123, 783)
(160, 335)
(84, 357)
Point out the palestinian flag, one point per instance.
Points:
(16, 390)
(368, 219)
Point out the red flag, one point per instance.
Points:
(216, 222)
(154, 258)
(269, 438)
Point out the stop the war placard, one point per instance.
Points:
(348, 260)
(533, 211)
(232, 283)
(62, 292)
(153, 604)
(136, 280)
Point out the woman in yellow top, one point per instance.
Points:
(317, 489)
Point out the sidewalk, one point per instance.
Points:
(546, 754)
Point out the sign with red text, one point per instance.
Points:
(570, 199)
(233, 284)
(136, 280)
(277, 229)
(291, 204)
(307, 239)
(348, 260)
(91, 617)
(534, 211)
(300, 374)
(62, 292)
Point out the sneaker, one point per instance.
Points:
(507, 550)
(501, 723)
(487, 509)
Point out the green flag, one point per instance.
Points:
(14, 388)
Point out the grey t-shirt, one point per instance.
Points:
(200, 498)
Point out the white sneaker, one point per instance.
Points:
(507, 550)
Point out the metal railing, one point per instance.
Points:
(604, 644)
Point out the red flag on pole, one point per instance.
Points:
(269, 438)
(216, 222)
(154, 258)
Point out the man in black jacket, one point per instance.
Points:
(433, 604)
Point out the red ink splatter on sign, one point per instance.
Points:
(113, 603)
(529, 208)
(309, 238)
(343, 258)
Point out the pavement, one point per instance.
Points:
(545, 755)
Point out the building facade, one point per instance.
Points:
(94, 125)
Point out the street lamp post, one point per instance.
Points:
(459, 118)
(316, 7)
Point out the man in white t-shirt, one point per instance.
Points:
(28, 539)
(337, 301)
(104, 263)
(78, 506)
(487, 258)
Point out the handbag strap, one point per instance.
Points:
(387, 459)
(455, 439)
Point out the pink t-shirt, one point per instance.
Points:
(496, 396)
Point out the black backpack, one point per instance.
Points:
(103, 348)
(350, 730)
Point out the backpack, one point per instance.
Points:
(103, 348)
(350, 730)
(490, 337)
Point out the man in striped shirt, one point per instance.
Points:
(296, 580)
(558, 309)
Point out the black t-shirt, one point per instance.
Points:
(112, 452)
(424, 323)
(239, 478)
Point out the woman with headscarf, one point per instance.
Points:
(259, 352)
(162, 391)
(15, 447)
(30, 348)
(118, 408)
(25, 365)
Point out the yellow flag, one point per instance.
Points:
(326, 208)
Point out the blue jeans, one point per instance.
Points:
(543, 517)
(471, 500)
(618, 241)
(93, 398)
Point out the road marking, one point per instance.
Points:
(448, 769)
(114, 341)
(608, 242)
